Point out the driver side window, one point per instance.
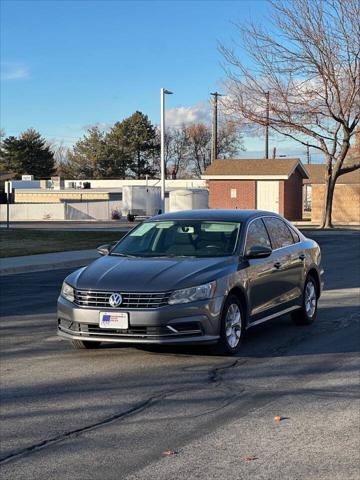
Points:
(257, 235)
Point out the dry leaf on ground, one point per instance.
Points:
(168, 453)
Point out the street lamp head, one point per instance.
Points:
(167, 92)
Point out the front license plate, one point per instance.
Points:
(117, 320)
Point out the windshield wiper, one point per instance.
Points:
(124, 255)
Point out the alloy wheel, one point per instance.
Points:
(310, 299)
(233, 325)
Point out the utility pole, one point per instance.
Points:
(163, 92)
(308, 158)
(267, 124)
(214, 145)
(274, 153)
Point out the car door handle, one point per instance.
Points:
(277, 265)
(302, 256)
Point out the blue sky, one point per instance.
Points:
(70, 64)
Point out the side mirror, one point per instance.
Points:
(104, 249)
(259, 251)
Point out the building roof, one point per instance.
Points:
(243, 169)
(317, 175)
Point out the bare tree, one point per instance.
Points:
(230, 140)
(309, 62)
(353, 155)
(169, 147)
(61, 155)
(199, 149)
(176, 150)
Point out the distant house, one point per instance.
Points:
(346, 203)
(275, 185)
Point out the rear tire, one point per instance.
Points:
(83, 344)
(232, 327)
(306, 315)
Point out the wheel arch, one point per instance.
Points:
(240, 293)
(315, 275)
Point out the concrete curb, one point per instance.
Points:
(43, 268)
(47, 261)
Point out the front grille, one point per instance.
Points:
(89, 298)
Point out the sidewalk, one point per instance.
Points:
(308, 225)
(46, 261)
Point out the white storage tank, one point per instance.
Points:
(141, 200)
(192, 199)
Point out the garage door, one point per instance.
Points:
(267, 196)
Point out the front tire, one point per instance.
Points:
(232, 327)
(306, 315)
(83, 344)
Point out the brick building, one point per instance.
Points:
(346, 202)
(274, 185)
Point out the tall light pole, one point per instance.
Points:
(214, 145)
(163, 92)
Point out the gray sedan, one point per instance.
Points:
(202, 276)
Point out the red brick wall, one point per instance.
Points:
(293, 197)
(220, 194)
(290, 195)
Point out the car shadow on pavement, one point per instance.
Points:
(277, 337)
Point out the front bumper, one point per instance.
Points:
(198, 322)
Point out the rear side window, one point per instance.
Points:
(295, 235)
(280, 234)
(257, 235)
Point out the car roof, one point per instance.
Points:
(214, 214)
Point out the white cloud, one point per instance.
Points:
(100, 125)
(198, 113)
(13, 71)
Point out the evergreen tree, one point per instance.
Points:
(10, 157)
(100, 155)
(137, 143)
(129, 149)
(88, 158)
(27, 154)
(119, 152)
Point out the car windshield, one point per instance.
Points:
(180, 238)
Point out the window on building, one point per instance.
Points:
(279, 232)
(257, 235)
(233, 193)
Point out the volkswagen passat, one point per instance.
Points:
(201, 276)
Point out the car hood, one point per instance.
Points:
(149, 274)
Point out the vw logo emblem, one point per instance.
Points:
(115, 299)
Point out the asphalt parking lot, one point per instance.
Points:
(110, 413)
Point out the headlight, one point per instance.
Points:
(193, 294)
(67, 292)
